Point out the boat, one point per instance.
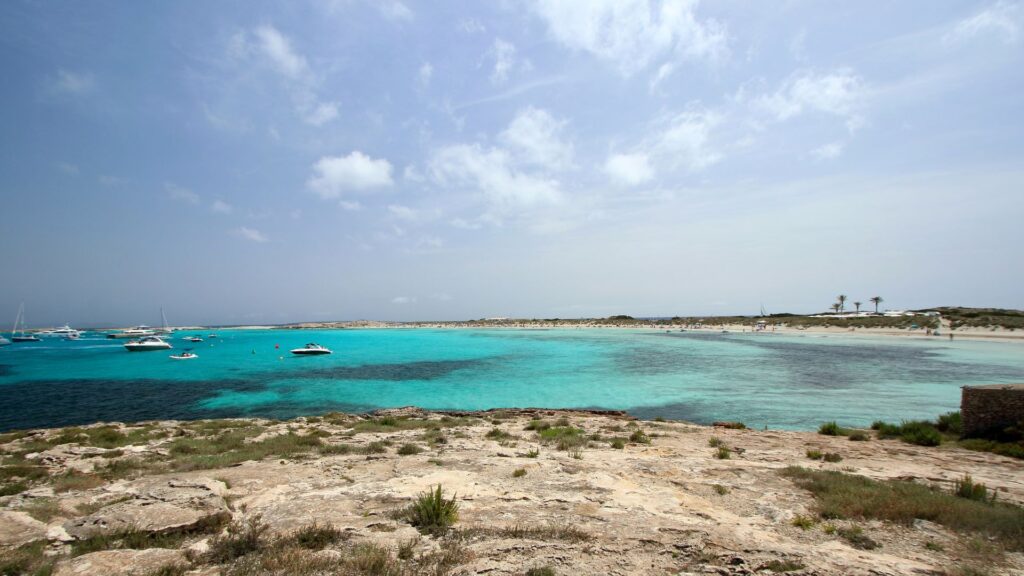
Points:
(140, 331)
(147, 344)
(66, 332)
(194, 338)
(4, 341)
(211, 336)
(311, 349)
(184, 356)
(17, 336)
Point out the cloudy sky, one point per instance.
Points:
(249, 162)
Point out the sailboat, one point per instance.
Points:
(20, 320)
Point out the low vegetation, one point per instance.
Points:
(841, 495)
(431, 513)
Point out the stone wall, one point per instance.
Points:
(994, 407)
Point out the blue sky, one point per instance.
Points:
(251, 162)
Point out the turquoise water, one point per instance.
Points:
(790, 382)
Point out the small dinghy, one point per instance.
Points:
(311, 349)
(184, 356)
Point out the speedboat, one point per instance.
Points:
(184, 356)
(212, 336)
(311, 349)
(66, 332)
(194, 338)
(139, 331)
(4, 341)
(146, 344)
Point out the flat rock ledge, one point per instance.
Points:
(157, 505)
(120, 562)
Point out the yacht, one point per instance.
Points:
(311, 349)
(66, 332)
(21, 336)
(140, 331)
(146, 344)
(194, 338)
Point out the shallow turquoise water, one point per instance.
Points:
(792, 382)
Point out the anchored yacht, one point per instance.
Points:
(140, 331)
(311, 349)
(146, 344)
(66, 332)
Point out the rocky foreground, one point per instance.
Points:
(538, 492)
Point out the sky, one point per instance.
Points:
(269, 162)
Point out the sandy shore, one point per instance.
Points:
(664, 507)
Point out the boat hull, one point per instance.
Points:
(25, 339)
(302, 352)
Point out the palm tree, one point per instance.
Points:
(857, 304)
(835, 307)
(842, 301)
(877, 300)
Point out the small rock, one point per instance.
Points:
(18, 528)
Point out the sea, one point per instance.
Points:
(791, 381)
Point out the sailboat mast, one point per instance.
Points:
(17, 319)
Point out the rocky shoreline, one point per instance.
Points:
(572, 492)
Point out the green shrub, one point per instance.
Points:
(950, 423)
(409, 449)
(855, 537)
(723, 453)
(815, 454)
(432, 513)
(781, 566)
(519, 473)
(243, 537)
(841, 495)
(832, 457)
(802, 522)
(830, 429)
(316, 537)
(538, 425)
(618, 443)
(714, 441)
(564, 437)
(858, 437)
(533, 453)
(542, 571)
(966, 487)
(921, 436)
(720, 490)
(639, 437)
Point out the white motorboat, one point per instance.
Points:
(66, 332)
(4, 341)
(184, 356)
(147, 344)
(311, 349)
(194, 338)
(21, 336)
(140, 331)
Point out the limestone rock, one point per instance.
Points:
(159, 505)
(17, 528)
(121, 562)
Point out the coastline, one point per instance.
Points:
(662, 500)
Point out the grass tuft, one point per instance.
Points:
(316, 536)
(409, 449)
(841, 495)
(432, 513)
(519, 473)
(723, 453)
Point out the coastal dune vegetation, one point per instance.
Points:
(404, 492)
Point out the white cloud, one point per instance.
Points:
(828, 151)
(73, 82)
(629, 169)
(504, 54)
(251, 234)
(1000, 19)
(471, 26)
(356, 172)
(322, 114)
(491, 173)
(840, 92)
(181, 194)
(350, 206)
(221, 207)
(685, 140)
(632, 33)
(535, 137)
(394, 10)
(68, 168)
(664, 71)
(412, 174)
(403, 212)
(426, 72)
(278, 49)
(403, 300)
